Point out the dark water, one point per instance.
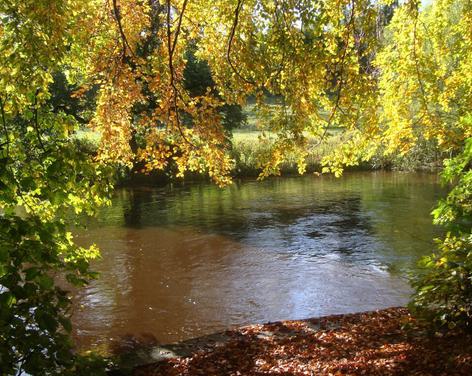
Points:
(180, 262)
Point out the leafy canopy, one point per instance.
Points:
(332, 63)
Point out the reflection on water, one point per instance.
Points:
(179, 262)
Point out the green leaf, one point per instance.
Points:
(7, 299)
(31, 273)
(45, 281)
(66, 324)
(47, 321)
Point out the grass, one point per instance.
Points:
(249, 151)
(88, 135)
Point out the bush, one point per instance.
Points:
(444, 287)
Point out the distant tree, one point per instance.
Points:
(63, 99)
(198, 79)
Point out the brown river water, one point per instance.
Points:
(184, 261)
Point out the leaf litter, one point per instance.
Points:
(384, 342)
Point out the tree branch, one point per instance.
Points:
(336, 106)
(36, 121)
(124, 40)
(4, 123)
(230, 43)
(171, 49)
(417, 67)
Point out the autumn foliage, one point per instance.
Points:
(385, 75)
(373, 343)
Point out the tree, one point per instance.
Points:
(198, 79)
(43, 178)
(425, 92)
(443, 289)
(331, 63)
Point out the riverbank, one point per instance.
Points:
(249, 152)
(369, 343)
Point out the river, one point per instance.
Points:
(182, 261)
